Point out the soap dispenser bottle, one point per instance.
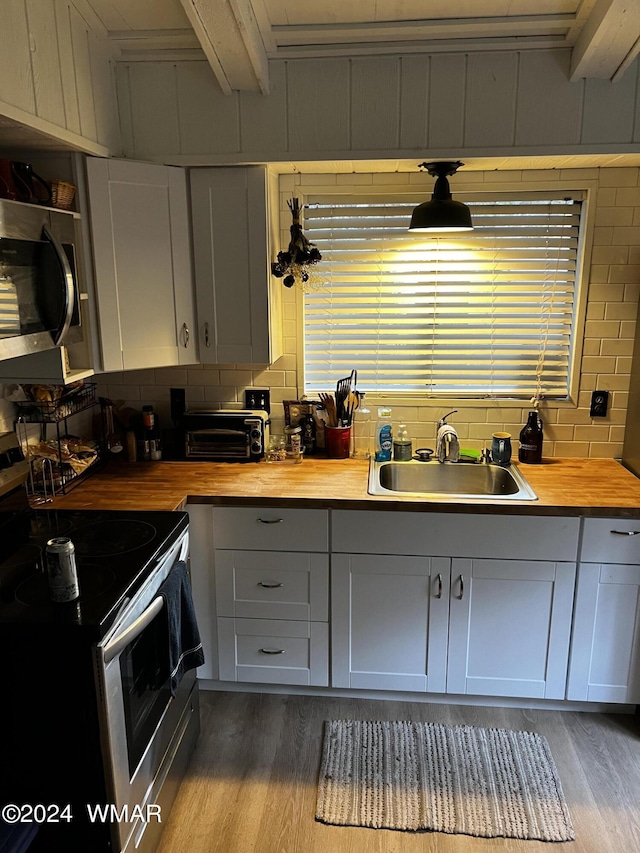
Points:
(402, 449)
(384, 436)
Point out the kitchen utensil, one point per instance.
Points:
(330, 407)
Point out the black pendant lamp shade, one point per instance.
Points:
(442, 213)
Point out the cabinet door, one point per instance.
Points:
(236, 294)
(605, 651)
(389, 622)
(510, 623)
(144, 284)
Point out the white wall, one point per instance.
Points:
(444, 105)
(612, 294)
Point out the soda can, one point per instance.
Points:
(61, 570)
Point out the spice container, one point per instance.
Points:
(293, 443)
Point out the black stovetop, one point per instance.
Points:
(115, 550)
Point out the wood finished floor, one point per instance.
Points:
(251, 784)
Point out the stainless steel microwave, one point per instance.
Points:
(225, 435)
(39, 293)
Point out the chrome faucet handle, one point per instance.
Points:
(485, 456)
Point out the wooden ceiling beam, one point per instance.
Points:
(607, 41)
(230, 38)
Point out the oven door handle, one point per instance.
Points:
(122, 640)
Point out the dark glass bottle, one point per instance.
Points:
(308, 434)
(530, 450)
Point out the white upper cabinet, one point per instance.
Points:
(239, 318)
(143, 279)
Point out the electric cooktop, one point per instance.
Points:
(115, 551)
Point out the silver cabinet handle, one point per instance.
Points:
(439, 592)
(272, 651)
(625, 532)
(187, 334)
(207, 342)
(270, 585)
(461, 595)
(270, 520)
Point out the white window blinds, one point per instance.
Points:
(483, 313)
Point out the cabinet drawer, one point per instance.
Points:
(269, 529)
(455, 535)
(273, 651)
(272, 585)
(610, 540)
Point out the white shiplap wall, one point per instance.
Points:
(57, 75)
(479, 104)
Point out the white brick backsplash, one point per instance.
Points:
(624, 177)
(614, 216)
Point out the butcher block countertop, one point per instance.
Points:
(568, 487)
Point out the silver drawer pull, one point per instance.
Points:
(461, 596)
(270, 585)
(272, 651)
(625, 532)
(187, 334)
(270, 520)
(439, 592)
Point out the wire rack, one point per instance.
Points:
(53, 411)
(52, 475)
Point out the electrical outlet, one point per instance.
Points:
(257, 398)
(599, 403)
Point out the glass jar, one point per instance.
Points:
(276, 451)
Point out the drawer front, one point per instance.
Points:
(610, 540)
(269, 529)
(455, 535)
(274, 651)
(272, 585)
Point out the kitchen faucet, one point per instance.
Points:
(447, 443)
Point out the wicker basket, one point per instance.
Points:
(62, 194)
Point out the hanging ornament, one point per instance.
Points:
(295, 265)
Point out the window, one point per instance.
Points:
(487, 313)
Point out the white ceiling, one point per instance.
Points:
(239, 37)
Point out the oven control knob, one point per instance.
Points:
(255, 433)
(256, 447)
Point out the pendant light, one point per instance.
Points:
(442, 213)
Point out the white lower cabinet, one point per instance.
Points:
(480, 627)
(510, 627)
(421, 602)
(389, 619)
(430, 616)
(272, 599)
(605, 651)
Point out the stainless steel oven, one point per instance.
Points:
(89, 715)
(143, 727)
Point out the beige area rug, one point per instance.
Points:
(458, 779)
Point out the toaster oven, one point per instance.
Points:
(225, 435)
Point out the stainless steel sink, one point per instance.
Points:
(449, 481)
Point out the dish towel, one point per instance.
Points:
(185, 648)
(447, 444)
